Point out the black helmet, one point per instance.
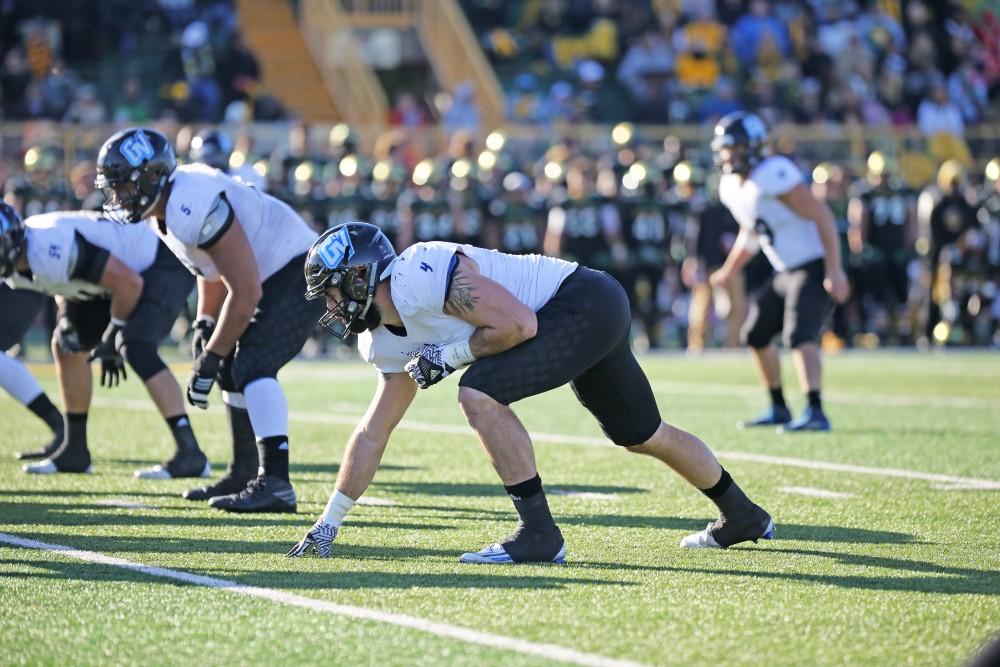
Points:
(353, 257)
(211, 147)
(739, 142)
(133, 168)
(11, 239)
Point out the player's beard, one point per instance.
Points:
(369, 321)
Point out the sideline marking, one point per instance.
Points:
(815, 493)
(942, 482)
(550, 651)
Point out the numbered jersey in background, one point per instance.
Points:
(646, 227)
(521, 224)
(431, 215)
(204, 203)
(887, 209)
(382, 212)
(788, 240)
(583, 222)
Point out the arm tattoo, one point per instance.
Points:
(461, 297)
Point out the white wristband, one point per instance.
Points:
(118, 323)
(205, 318)
(458, 354)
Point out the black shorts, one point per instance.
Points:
(582, 339)
(20, 307)
(166, 285)
(793, 303)
(280, 326)
(889, 280)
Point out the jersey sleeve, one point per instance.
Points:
(422, 277)
(87, 261)
(190, 210)
(54, 253)
(777, 175)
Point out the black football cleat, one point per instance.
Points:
(190, 463)
(755, 524)
(263, 494)
(227, 484)
(773, 416)
(74, 459)
(42, 452)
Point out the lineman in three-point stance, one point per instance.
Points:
(247, 249)
(523, 324)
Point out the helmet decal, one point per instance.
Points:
(136, 148)
(336, 248)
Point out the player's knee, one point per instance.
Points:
(796, 339)
(143, 358)
(754, 338)
(476, 405)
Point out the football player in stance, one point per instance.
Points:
(247, 250)
(778, 213)
(19, 308)
(523, 324)
(119, 291)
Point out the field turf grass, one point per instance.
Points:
(886, 570)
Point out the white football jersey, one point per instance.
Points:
(276, 233)
(420, 277)
(788, 240)
(54, 251)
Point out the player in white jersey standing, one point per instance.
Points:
(778, 213)
(523, 324)
(119, 291)
(247, 249)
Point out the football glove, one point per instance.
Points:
(428, 367)
(67, 337)
(318, 541)
(202, 378)
(201, 331)
(107, 352)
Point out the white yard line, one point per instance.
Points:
(945, 482)
(123, 504)
(549, 651)
(815, 493)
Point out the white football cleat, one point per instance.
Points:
(159, 471)
(496, 554)
(705, 539)
(47, 467)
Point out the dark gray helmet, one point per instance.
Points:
(353, 257)
(11, 239)
(133, 168)
(211, 147)
(739, 142)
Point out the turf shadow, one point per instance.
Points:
(790, 531)
(495, 490)
(483, 578)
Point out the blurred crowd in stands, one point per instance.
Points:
(924, 262)
(920, 217)
(94, 61)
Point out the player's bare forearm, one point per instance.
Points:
(211, 296)
(125, 286)
(368, 441)
(501, 320)
(237, 266)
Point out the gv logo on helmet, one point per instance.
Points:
(334, 249)
(136, 148)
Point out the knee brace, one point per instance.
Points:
(143, 358)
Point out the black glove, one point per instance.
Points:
(427, 366)
(202, 378)
(67, 337)
(112, 363)
(201, 331)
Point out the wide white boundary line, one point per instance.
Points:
(943, 482)
(550, 651)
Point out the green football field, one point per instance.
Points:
(887, 549)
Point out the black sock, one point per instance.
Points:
(245, 457)
(180, 428)
(76, 430)
(777, 397)
(48, 413)
(529, 501)
(273, 453)
(814, 400)
(728, 496)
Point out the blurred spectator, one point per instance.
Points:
(645, 72)
(238, 70)
(753, 28)
(132, 108)
(559, 105)
(937, 114)
(407, 112)
(463, 112)
(86, 109)
(967, 88)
